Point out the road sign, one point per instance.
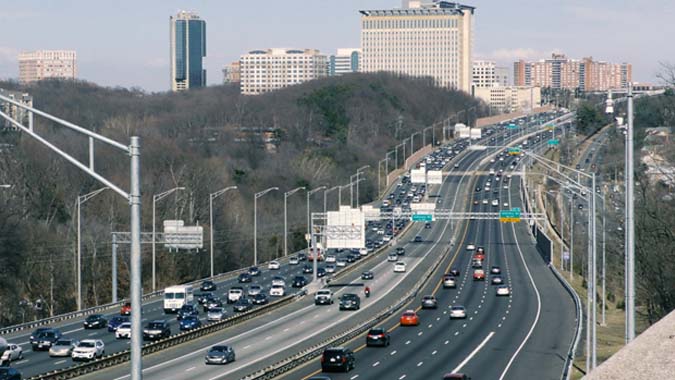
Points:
(514, 151)
(511, 126)
(477, 147)
(179, 236)
(553, 142)
(509, 220)
(550, 127)
(422, 217)
(418, 176)
(566, 255)
(345, 229)
(435, 177)
(513, 213)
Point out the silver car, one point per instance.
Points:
(216, 314)
(12, 353)
(457, 312)
(63, 347)
(429, 302)
(254, 289)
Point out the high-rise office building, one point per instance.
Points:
(188, 48)
(45, 64)
(423, 39)
(232, 73)
(344, 61)
(268, 70)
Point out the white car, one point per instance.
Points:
(233, 295)
(495, 203)
(506, 204)
(363, 252)
(399, 267)
(485, 201)
(506, 187)
(471, 247)
(331, 258)
(386, 238)
(393, 257)
(279, 281)
(216, 314)
(293, 260)
(273, 265)
(123, 331)
(330, 268)
(341, 262)
(503, 290)
(12, 353)
(457, 312)
(89, 349)
(277, 290)
(254, 289)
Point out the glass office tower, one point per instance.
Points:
(188, 48)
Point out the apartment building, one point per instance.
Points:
(263, 71)
(232, 73)
(344, 61)
(509, 99)
(44, 64)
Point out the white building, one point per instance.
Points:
(503, 76)
(344, 61)
(509, 99)
(484, 73)
(263, 71)
(423, 39)
(45, 64)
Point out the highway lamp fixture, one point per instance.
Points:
(286, 195)
(213, 196)
(309, 194)
(358, 172)
(255, 221)
(80, 200)
(325, 197)
(155, 199)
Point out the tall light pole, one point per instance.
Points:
(340, 194)
(309, 194)
(286, 195)
(412, 142)
(325, 196)
(156, 198)
(359, 171)
(81, 199)
(213, 196)
(255, 221)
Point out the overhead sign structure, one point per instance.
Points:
(510, 216)
(179, 236)
(422, 217)
(370, 212)
(550, 127)
(435, 177)
(345, 228)
(553, 142)
(514, 151)
(422, 206)
(476, 147)
(418, 176)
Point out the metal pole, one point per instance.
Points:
(213, 196)
(312, 240)
(339, 197)
(604, 294)
(154, 280)
(571, 239)
(594, 277)
(114, 268)
(285, 225)
(255, 230)
(309, 231)
(562, 230)
(630, 225)
(135, 260)
(589, 294)
(210, 230)
(79, 256)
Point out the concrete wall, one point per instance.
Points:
(409, 162)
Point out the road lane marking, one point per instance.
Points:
(190, 369)
(393, 353)
(376, 364)
(474, 352)
(420, 364)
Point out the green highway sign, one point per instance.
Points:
(514, 151)
(511, 126)
(553, 142)
(422, 218)
(513, 213)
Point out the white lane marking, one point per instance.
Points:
(474, 352)
(402, 377)
(246, 347)
(268, 337)
(420, 364)
(92, 334)
(393, 353)
(434, 353)
(190, 369)
(59, 362)
(22, 361)
(72, 331)
(376, 364)
(446, 342)
(354, 377)
(419, 333)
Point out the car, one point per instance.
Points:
(480, 249)
(88, 349)
(350, 301)
(478, 189)
(495, 270)
(418, 239)
(307, 269)
(37, 332)
(367, 275)
(392, 257)
(330, 268)
(187, 310)
(211, 303)
(156, 330)
(456, 166)
(377, 337)
(337, 359)
(476, 263)
(495, 202)
(363, 251)
(455, 272)
(503, 290)
(95, 321)
(457, 312)
(254, 271)
(505, 204)
(259, 299)
(115, 321)
(203, 297)
(429, 302)
(409, 318)
(497, 280)
(245, 277)
(9, 373)
(399, 267)
(234, 294)
(342, 262)
(216, 314)
(273, 265)
(126, 309)
(242, 305)
(455, 376)
(331, 258)
(277, 291)
(302, 257)
(475, 202)
(293, 260)
(485, 201)
(189, 323)
(63, 347)
(479, 256)
(427, 225)
(478, 275)
(323, 297)
(254, 289)
(299, 281)
(470, 247)
(581, 207)
(45, 338)
(12, 352)
(320, 272)
(123, 331)
(207, 286)
(400, 251)
(449, 281)
(220, 355)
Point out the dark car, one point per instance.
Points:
(320, 272)
(187, 310)
(212, 303)
(157, 330)
(254, 271)
(337, 359)
(9, 373)
(418, 239)
(259, 299)
(400, 251)
(95, 321)
(244, 304)
(115, 321)
(367, 275)
(208, 286)
(454, 272)
(302, 256)
(427, 225)
(203, 297)
(45, 339)
(307, 269)
(351, 258)
(245, 277)
(189, 323)
(37, 332)
(299, 281)
(455, 376)
(219, 355)
(377, 337)
(350, 301)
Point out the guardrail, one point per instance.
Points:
(148, 348)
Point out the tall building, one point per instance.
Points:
(232, 73)
(188, 48)
(17, 113)
(268, 70)
(423, 39)
(44, 64)
(484, 73)
(562, 72)
(344, 61)
(502, 76)
(509, 99)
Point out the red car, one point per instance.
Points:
(478, 275)
(409, 318)
(479, 256)
(126, 309)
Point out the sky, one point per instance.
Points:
(126, 42)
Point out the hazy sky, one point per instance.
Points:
(126, 42)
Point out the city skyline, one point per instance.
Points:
(137, 56)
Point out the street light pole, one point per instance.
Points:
(156, 198)
(255, 222)
(359, 171)
(309, 194)
(213, 196)
(81, 199)
(325, 196)
(286, 195)
(630, 225)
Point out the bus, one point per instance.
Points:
(177, 296)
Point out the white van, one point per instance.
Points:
(177, 296)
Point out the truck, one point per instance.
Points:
(323, 297)
(177, 296)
